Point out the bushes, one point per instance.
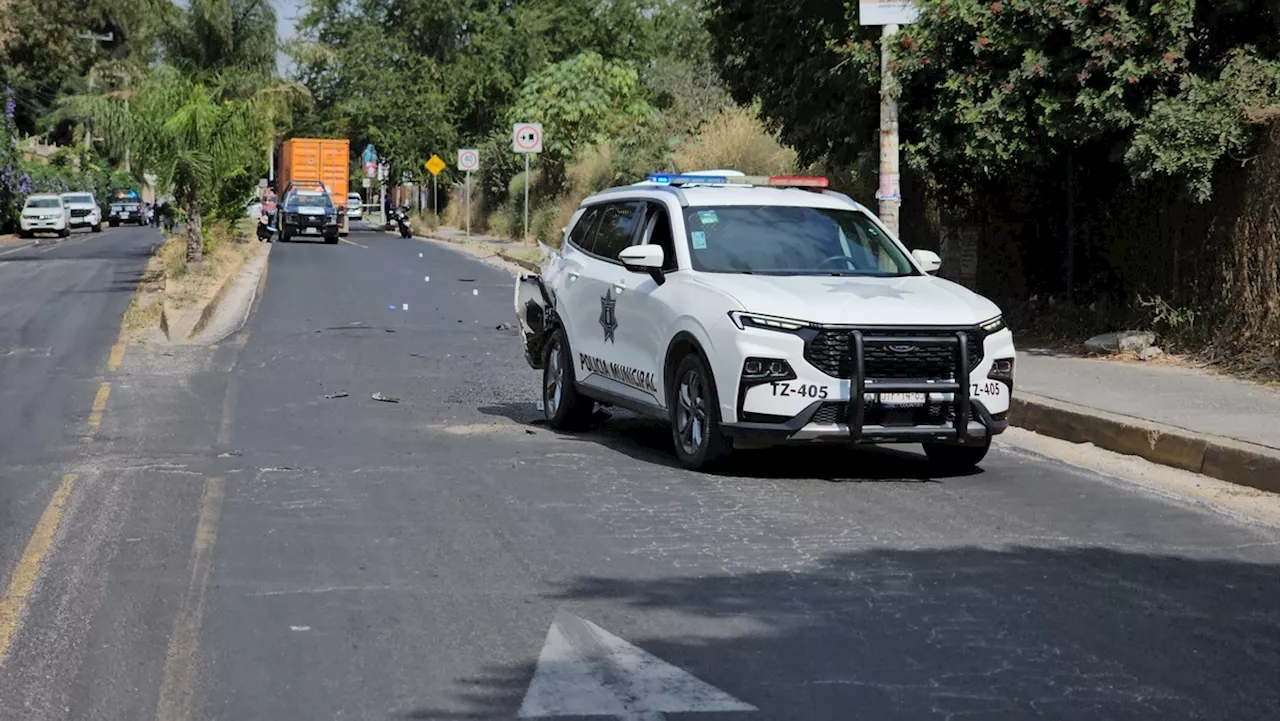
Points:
(736, 139)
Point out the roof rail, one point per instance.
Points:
(680, 196)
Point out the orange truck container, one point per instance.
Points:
(324, 160)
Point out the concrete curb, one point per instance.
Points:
(526, 264)
(1226, 459)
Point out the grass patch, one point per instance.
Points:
(169, 280)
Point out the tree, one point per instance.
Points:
(195, 144)
(1004, 88)
(585, 100)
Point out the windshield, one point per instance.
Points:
(81, 198)
(782, 240)
(309, 200)
(44, 203)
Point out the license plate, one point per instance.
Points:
(311, 230)
(897, 400)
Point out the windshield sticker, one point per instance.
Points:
(699, 239)
(708, 217)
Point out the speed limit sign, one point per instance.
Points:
(468, 160)
(526, 138)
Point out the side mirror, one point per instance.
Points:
(928, 260)
(644, 259)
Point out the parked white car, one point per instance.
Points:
(84, 211)
(750, 311)
(355, 206)
(44, 213)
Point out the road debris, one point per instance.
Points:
(384, 399)
(466, 280)
(539, 405)
(426, 279)
(390, 330)
(339, 394)
(475, 291)
(502, 326)
(406, 306)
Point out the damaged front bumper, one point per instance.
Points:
(535, 314)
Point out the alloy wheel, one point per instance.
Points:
(691, 416)
(553, 382)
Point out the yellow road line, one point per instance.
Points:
(117, 354)
(99, 406)
(181, 663)
(14, 602)
(352, 242)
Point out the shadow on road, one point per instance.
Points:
(650, 441)
(1021, 633)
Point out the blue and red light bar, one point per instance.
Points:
(773, 181)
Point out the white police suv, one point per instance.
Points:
(751, 311)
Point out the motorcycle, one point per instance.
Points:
(400, 220)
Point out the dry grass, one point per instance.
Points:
(169, 280)
(736, 139)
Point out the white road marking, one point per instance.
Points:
(583, 670)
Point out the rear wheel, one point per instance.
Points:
(695, 416)
(956, 459)
(113, 222)
(331, 240)
(562, 405)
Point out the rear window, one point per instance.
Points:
(44, 203)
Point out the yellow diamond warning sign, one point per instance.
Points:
(434, 165)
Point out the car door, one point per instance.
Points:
(644, 308)
(613, 365)
(575, 298)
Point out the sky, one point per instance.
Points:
(286, 13)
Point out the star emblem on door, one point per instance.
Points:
(608, 314)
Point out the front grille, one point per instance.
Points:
(79, 213)
(934, 414)
(829, 351)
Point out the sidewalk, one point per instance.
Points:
(524, 255)
(1189, 419)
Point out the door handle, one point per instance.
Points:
(619, 287)
(573, 275)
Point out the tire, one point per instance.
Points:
(65, 232)
(562, 405)
(956, 459)
(96, 227)
(25, 234)
(404, 233)
(699, 442)
(331, 240)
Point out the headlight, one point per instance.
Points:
(994, 325)
(755, 320)
(331, 220)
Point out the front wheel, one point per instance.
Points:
(405, 232)
(956, 459)
(65, 232)
(96, 227)
(695, 416)
(562, 405)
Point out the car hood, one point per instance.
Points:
(81, 206)
(911, 300)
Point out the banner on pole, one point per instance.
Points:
(887, 12)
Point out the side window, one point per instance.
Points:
(660, 235)
(583, 234)
(618, 226)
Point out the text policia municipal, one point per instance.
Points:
(633, 377)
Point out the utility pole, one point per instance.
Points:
(890, 191)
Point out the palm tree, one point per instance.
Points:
(176, 128)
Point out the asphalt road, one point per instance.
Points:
(235, 545)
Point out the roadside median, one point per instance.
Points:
(181, 303)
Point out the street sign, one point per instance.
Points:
(469, 160)
(367, 182)
(887, 12)
(526, 138)
(434, 165)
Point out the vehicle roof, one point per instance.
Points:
(724, 195)
(44, 196)
(77, 192)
